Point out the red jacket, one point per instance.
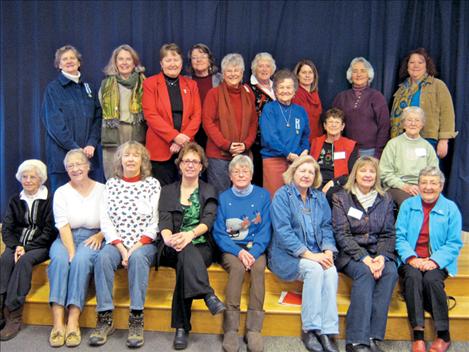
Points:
(343, 144)
(312, 104)
(157, 112)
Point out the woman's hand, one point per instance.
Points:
(95, 241)
(71, 254)
(327, 186)
(291, 157)
(237, 148)
(442, 148)
(246, 258)
(304, 152)
(134, 248)
(416, 263)
(378, 266)
(181, 139)
(413, 190)
(181, 239)
(124, 254)
(174, 148)
(89, 151)
(428, 265)
(325, 260)
(19, 251)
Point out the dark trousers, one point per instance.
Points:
(257, 161)
(15, 278)
(191, 279)
(369, 302)
(165, 171)
(425, 291)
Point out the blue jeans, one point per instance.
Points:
(369, 302)
(69, 281)
(218, 175)
(367, 152)
(107, 262)
(319, 301)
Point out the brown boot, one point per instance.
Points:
(230, 329)
(254, 322)
(13, 324)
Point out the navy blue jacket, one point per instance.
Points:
(72, 119)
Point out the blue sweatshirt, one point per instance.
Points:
(243, 222)
(282, 134)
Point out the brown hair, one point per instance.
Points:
(111, 67)
(333, 112)
(281, 76)
(364, 160)
(145, 168)
(206, 50)
(166, 48)
(288, 175)
(62, 50)
(431, 68)
(309, 63)
(195, 148)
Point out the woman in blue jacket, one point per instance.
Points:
(303, 248)
(428, 242)
(71, 116)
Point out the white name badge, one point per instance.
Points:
(339, 155)
(420, 152)
(355, 213)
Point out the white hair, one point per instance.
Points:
(33, 165)
(369, 68)
(263, 56)
(241, 160)
(413, 110)
(233, 59)
(432, 171)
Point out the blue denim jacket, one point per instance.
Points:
(291, 238)
(72, 119)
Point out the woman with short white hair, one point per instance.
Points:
(366, 110)
(230, 121)
(27, 231)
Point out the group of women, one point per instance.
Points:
(156, 209)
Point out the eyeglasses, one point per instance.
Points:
(75, 165)
(199, 58)
(191, 162)
(238, 172)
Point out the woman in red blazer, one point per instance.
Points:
(171, 106)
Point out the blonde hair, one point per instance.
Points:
(145, 167)
(111, 67)
(288, 175)
(362, 161)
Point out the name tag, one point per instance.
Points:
(420, 152)
(339, 155)
(355, 213)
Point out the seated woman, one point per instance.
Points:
(230, 121)
(303, 248)
(242, 231)
(428, 242)
(405, 155)
(76, 212)
(187, 211)
(363, 222)
(129, 221)
(27, 231)
(335, 154)
(284, 131)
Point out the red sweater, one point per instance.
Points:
(312, 104)
(343, 145)
(211, 122)
(422, 248)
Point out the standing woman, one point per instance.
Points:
(171, 106)
(27, 231)
(71, 116)
(187, 211)
(230, 121)
(420, 88)
(284, 131)
(366, 110)
(77, 217)
(307, 95)
(121, 101)
(303, 248)
(363, 221)
(262, 68)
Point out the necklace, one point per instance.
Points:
(172, 83)
(287, 121)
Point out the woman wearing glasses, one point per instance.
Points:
(187, 211)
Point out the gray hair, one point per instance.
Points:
(371, 71)
(77, 151)
(413, 110)
(145, 167)
(111, 67)
(282, 75)
(432, 171)
(263, 56)
(303, 159)
(241, 160)
(62, 50)
(32, 165)
(233, 59)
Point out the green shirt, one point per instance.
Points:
(191, 216)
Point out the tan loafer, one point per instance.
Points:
(73, 338)
(57, 338)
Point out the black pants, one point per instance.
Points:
(165, 171)
(191, 279)
(425, 291)
(257, 161)
(15, 278)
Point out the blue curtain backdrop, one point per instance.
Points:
(331, 33)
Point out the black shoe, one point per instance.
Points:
(357, 348)
(374, 347)
(214, 305)
(311, 341)
(180, 339)
(328, 343)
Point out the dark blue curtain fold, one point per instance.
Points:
(330, 33)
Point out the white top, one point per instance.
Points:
(269, 91)
(40, 194)
(70, 207)
(130, 210)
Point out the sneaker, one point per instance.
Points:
(135, 337)
(104, 328)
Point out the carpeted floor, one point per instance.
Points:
(34, 338)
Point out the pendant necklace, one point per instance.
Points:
(172, 83)
(287, 121)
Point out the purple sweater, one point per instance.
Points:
(366, 119)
